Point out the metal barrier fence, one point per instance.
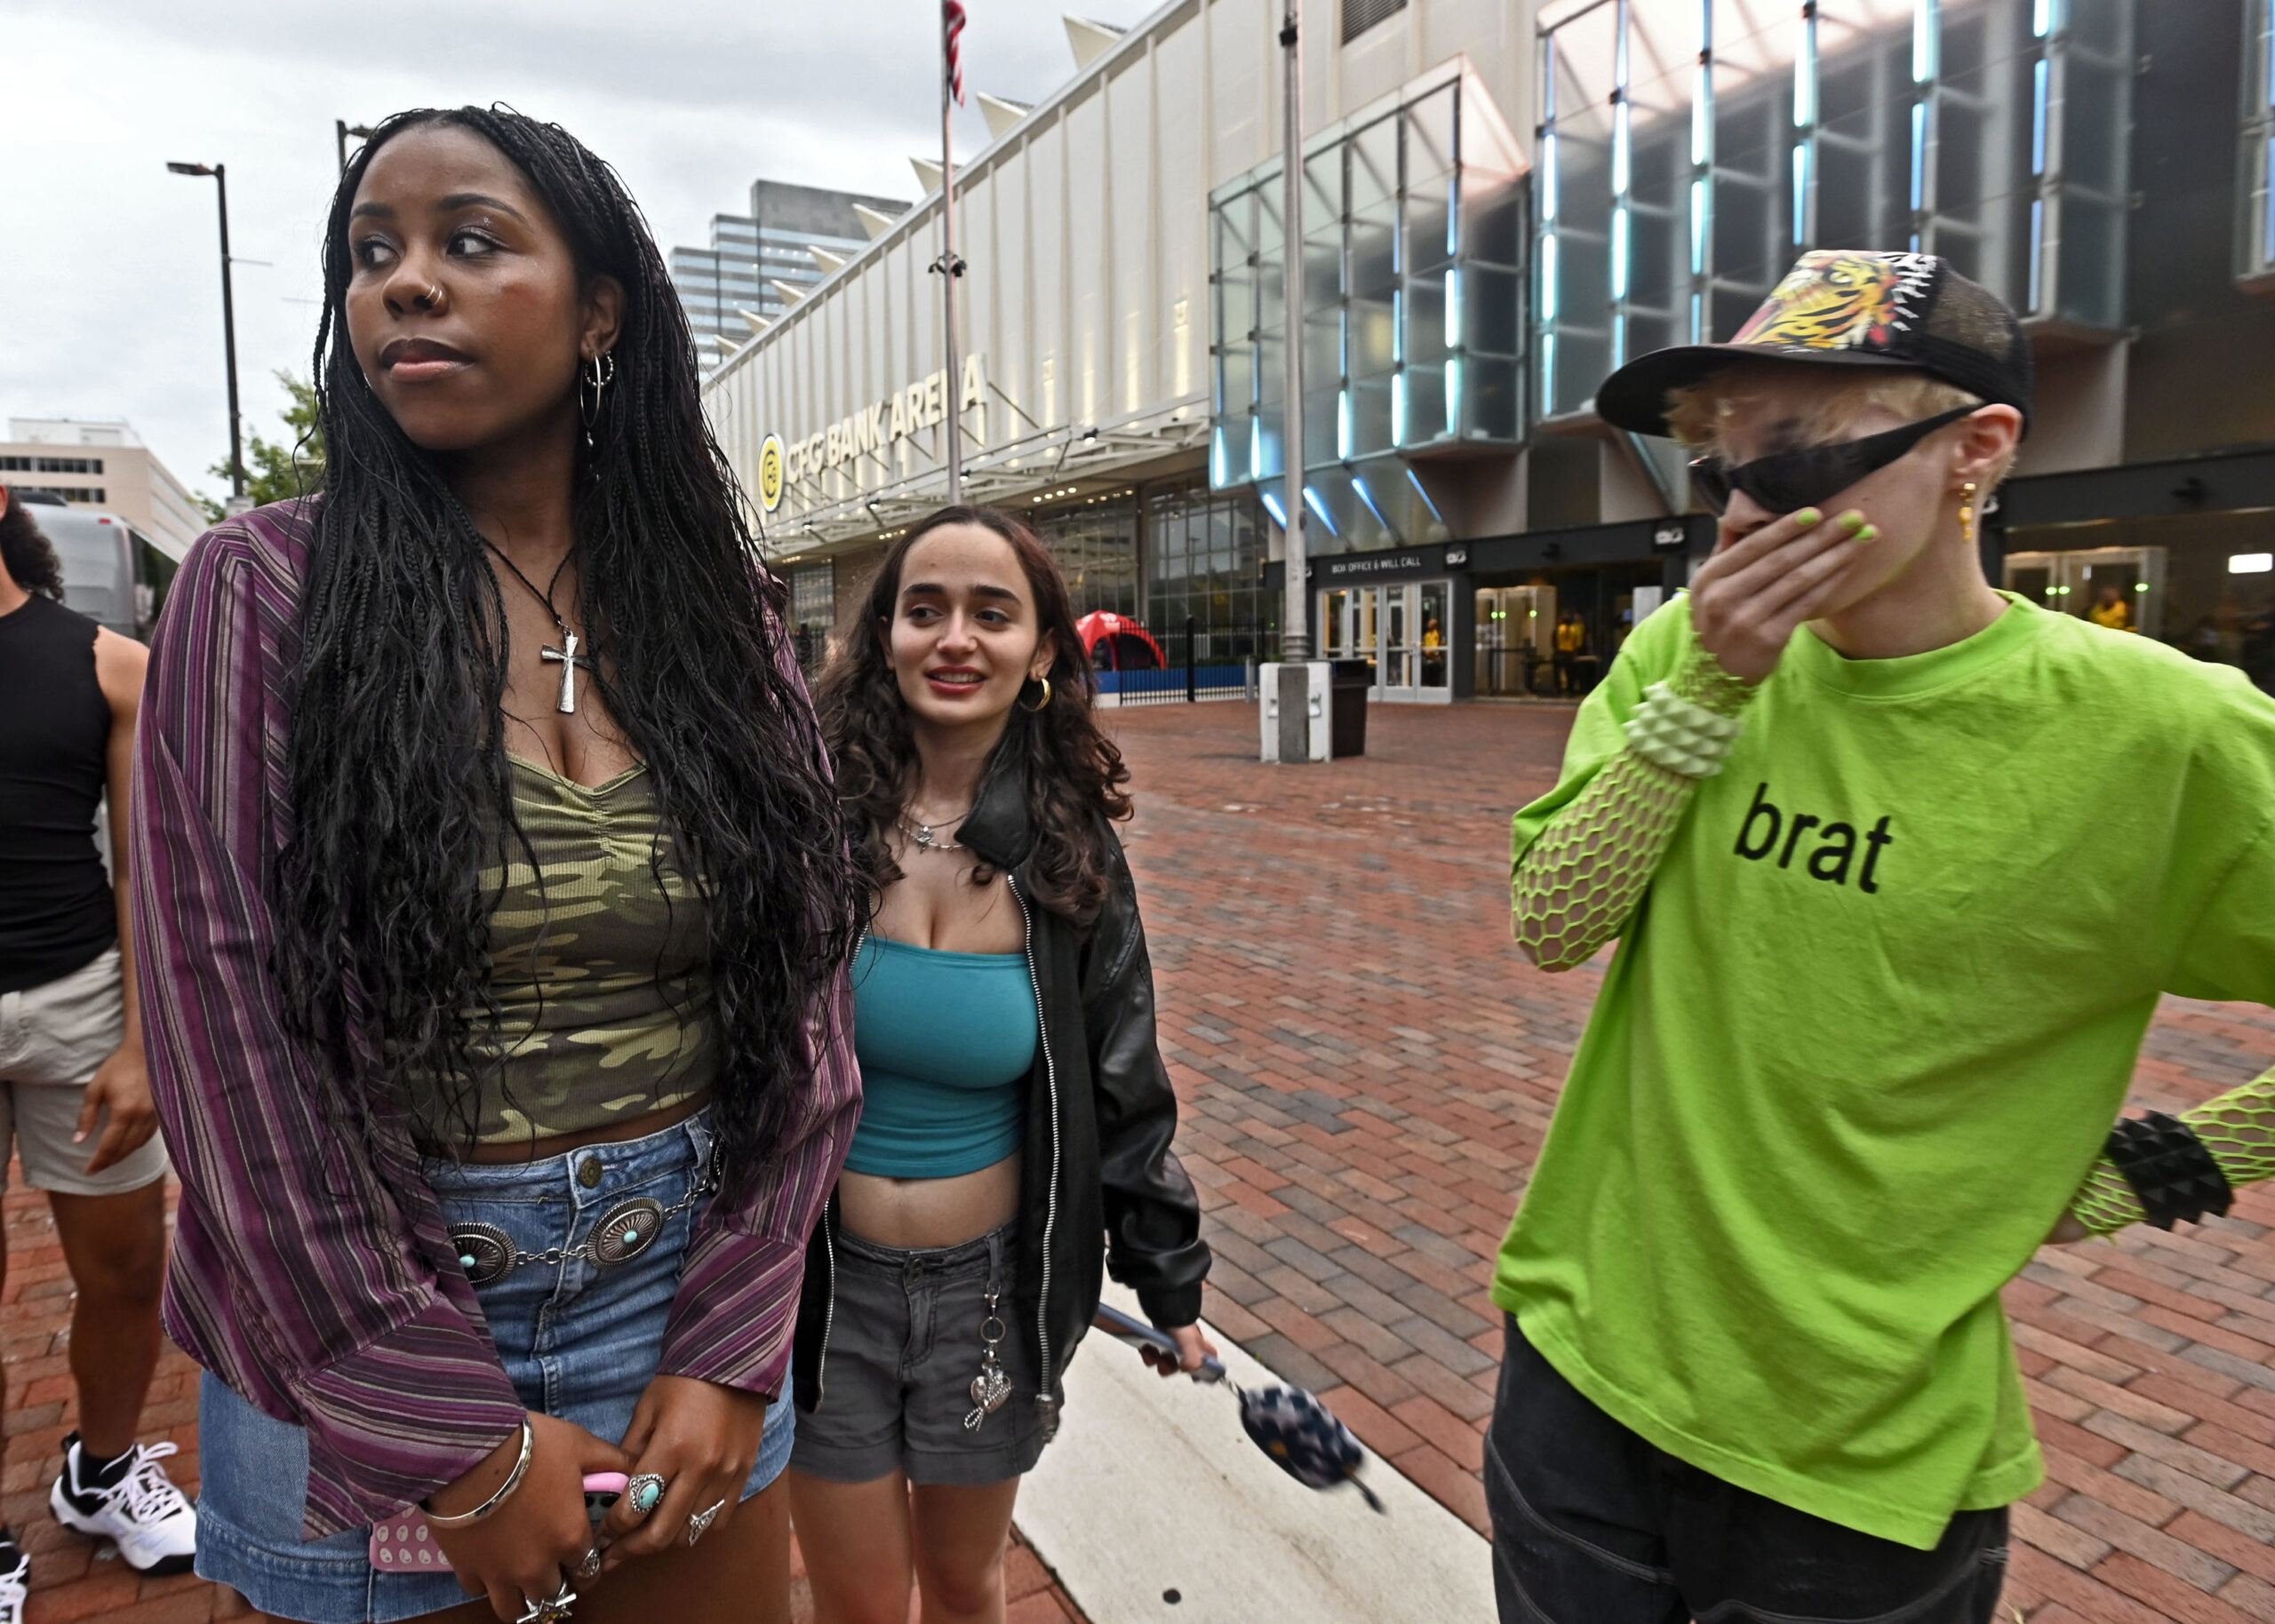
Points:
(1218, 662)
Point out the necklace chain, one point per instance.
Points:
(921, 835)
(545, 597)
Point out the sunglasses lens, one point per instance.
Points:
(1710, 478)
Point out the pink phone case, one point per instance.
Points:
(406, 1545)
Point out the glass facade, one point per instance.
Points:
(2256, 167)
(1096, 545)
(813, 595)
(1412, 325)
(1204, 559)
(1689, 149)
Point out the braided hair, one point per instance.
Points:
(396, 763)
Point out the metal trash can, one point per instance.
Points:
(1348, 684)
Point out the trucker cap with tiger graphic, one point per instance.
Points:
(1844, 307)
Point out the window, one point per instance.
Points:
(66, 465)
(1412, 323)
(813, 595)
(1096, 546)
(1691, 149)
(2255, 223)
(1204, 560)
(1360, 15)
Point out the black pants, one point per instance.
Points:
(1593, 1525)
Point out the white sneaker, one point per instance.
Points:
(155, 1526)
(13, 1581)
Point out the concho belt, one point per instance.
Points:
(625, 1231)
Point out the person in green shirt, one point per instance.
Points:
(1899, 865)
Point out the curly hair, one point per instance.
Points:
(27, 552)
(1074, 772)
(396, 764)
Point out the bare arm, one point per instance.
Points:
(121, 1086)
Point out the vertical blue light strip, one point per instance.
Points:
(2038, 90)
(1801, 191)
(1919, 159)
(1924, 40)
(2037, 252)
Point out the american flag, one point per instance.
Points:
(952, 20)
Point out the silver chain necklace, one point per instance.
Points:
(921, 835)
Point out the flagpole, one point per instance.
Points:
(951, 267)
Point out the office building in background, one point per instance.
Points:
(764, 260)
(101, 463)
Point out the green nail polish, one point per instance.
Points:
(1808, 516)
(1866, 534)
(1852, 521)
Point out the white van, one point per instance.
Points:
(113, 573)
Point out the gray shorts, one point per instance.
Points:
(53, 1038)
(904, 1345)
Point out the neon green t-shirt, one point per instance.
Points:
(1865, 1033)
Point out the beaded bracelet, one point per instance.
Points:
(1673, 732)
(505, 1490)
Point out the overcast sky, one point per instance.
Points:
(110, 266)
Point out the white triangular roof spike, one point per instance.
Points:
(756, 322)
(876, 222)
(1090, 40)
(1002, 113)
(791, 291)
(831, 264)
(928, 172)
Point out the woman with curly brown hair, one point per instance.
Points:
(1017, 1118)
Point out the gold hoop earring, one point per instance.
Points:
(1046, 696)
(1967, 512)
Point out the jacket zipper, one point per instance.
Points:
(829, 1251)
(1047, 1400)
(829, 1302)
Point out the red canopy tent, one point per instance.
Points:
(1115, 642)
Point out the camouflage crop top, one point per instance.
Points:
(602, 971)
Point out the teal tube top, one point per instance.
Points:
(945, 1041)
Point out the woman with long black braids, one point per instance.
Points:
(493, 905)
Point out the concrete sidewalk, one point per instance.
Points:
(1152, 1506)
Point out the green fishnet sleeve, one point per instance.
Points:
(2239, 1128)
(1576, 885)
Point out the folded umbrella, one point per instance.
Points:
(1300, 1434)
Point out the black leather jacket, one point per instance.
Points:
(1100, 1186)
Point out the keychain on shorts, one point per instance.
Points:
(991, 1386)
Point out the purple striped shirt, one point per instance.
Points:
(311, 1269)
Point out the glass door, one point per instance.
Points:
(1402, 631)
(2121, 589)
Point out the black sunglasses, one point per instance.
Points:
(1812, 475)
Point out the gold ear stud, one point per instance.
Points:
(1967, 512)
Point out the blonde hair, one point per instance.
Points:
(1824, 403)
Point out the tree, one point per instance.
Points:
(275, 472)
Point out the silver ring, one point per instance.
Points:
(590, 1567)
(700, 1523)
(552, 1609)
(645, 1493)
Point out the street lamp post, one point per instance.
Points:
(340, 131)
(1295, 635)
(221, 173)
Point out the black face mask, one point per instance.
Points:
(1814, 475)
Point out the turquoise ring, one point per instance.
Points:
(646, 1491)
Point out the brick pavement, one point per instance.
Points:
(1367, 1067)
(1367, 1070)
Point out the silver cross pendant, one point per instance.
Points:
(569, 660)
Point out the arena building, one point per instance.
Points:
(1503, 203)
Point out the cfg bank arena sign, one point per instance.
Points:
(872, 431)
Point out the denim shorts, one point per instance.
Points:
(903, 1347)
(579, 1343)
